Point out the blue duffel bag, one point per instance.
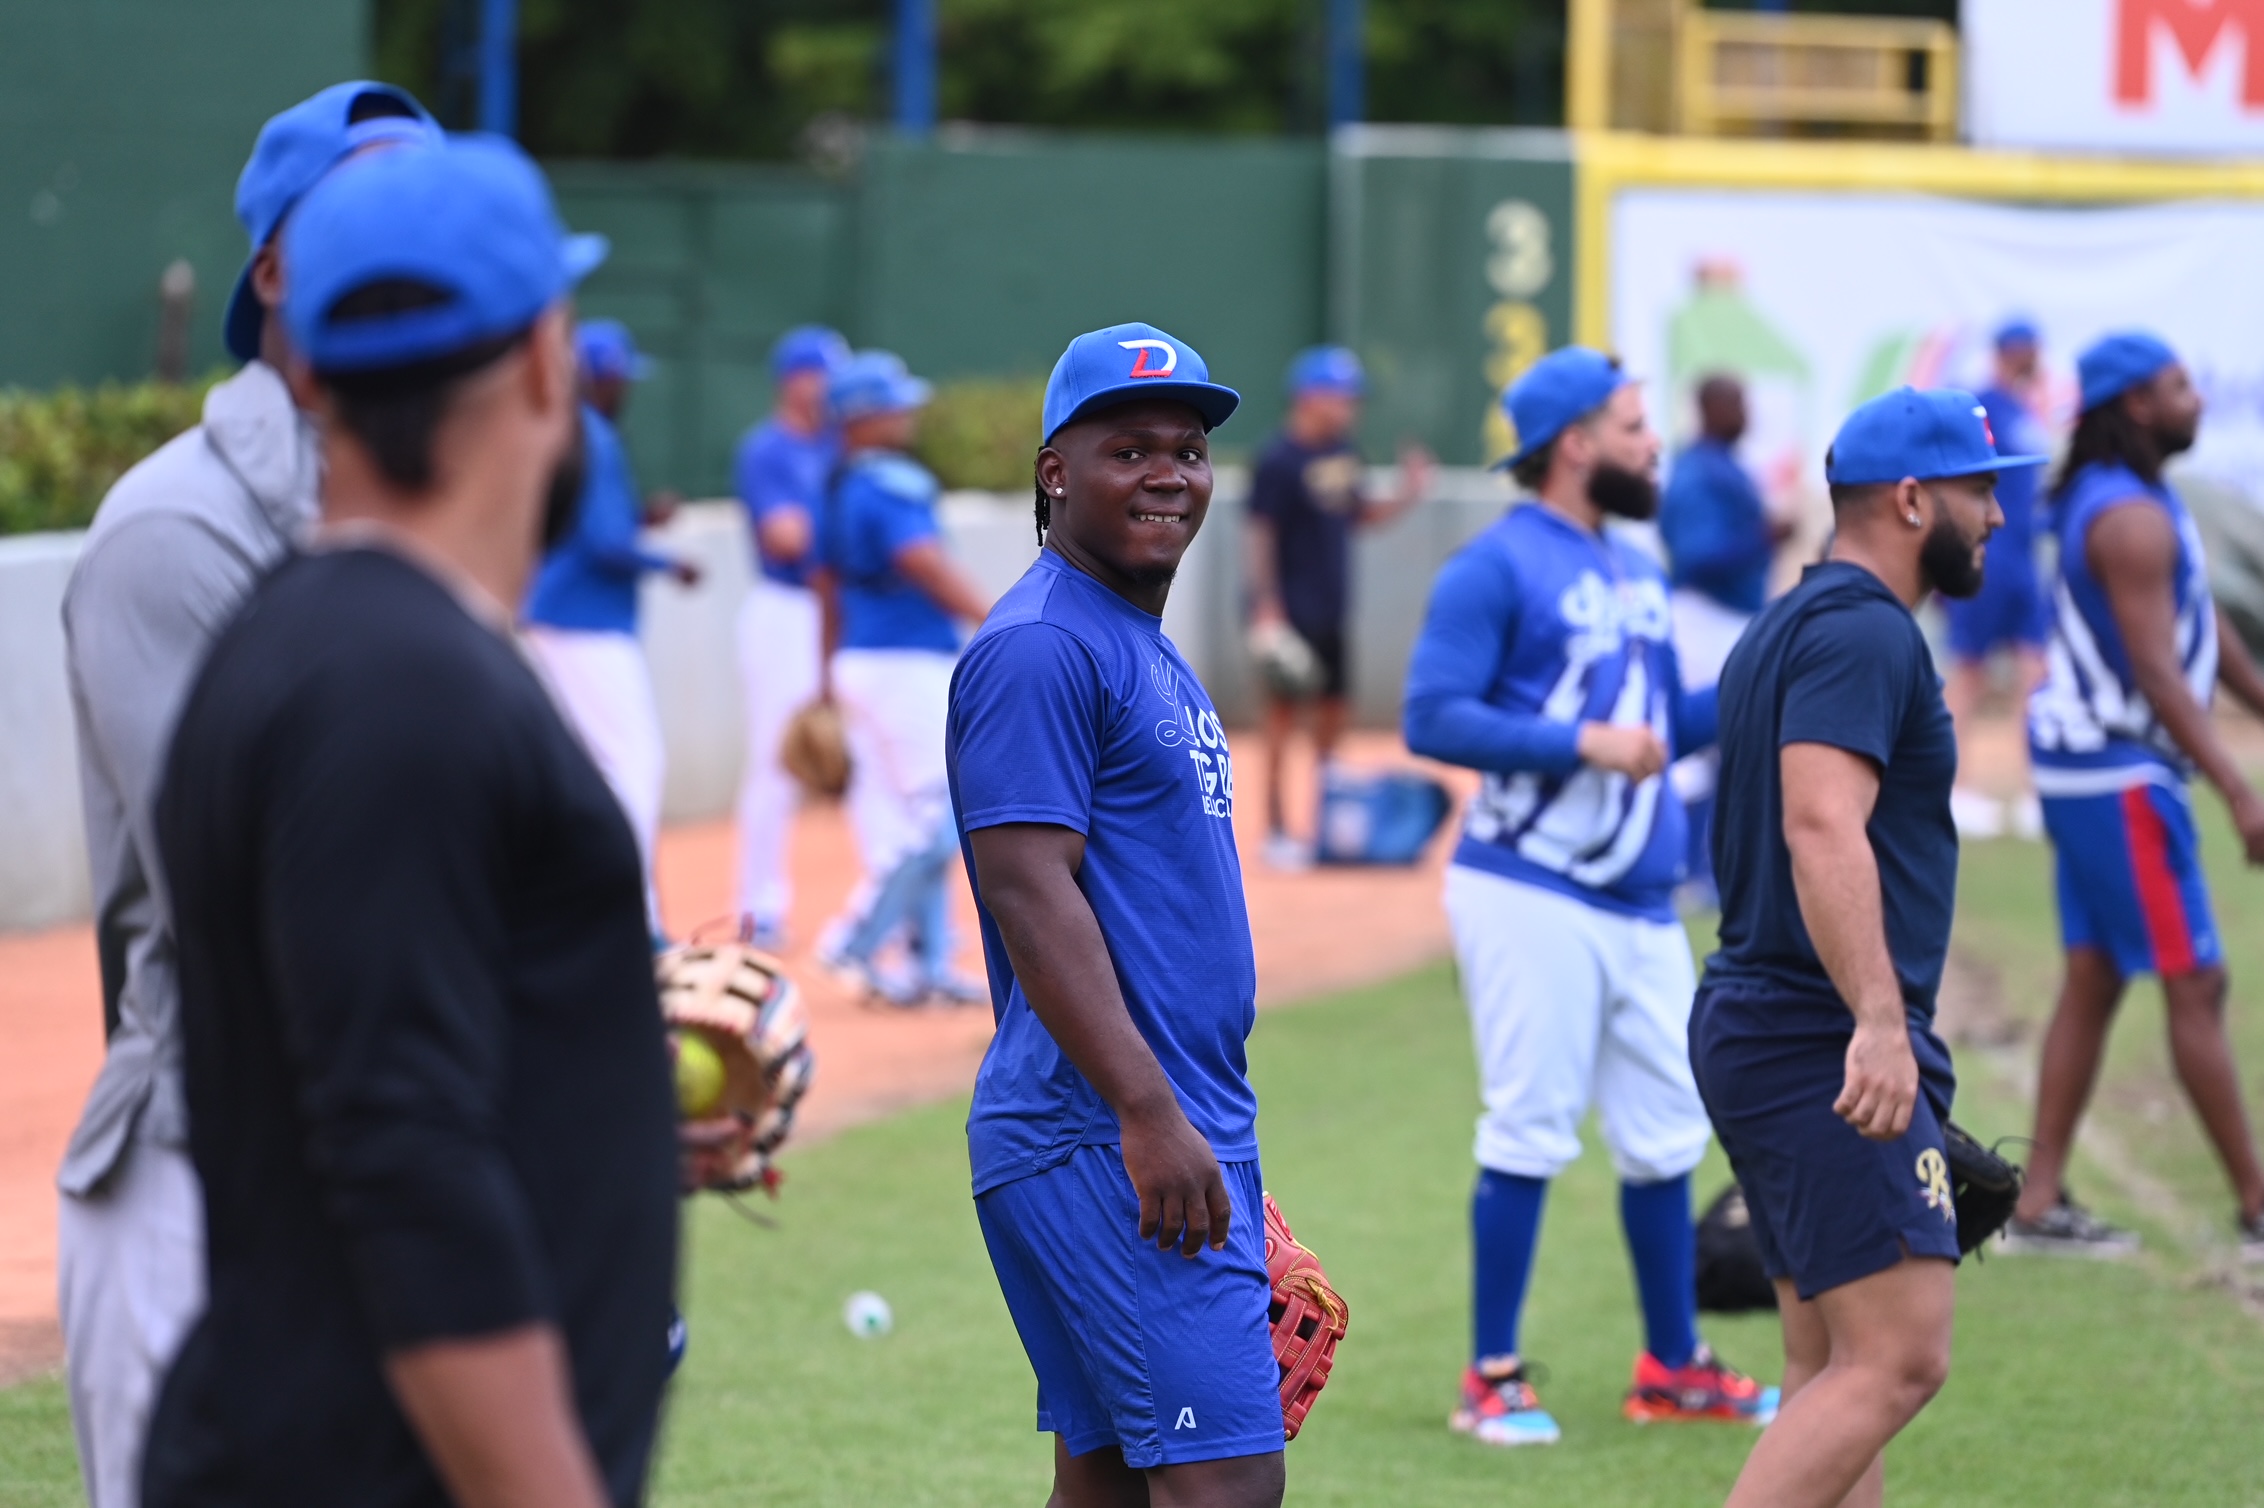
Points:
(1378, 818)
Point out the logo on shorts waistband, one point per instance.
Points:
(1934, 1183)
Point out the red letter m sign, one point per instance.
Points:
(2198, 27)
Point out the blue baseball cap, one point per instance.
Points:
(807, 348)
(874, 382)
(2114, 364)
(608, 352)
(1124, 364)
(1560, 389)
(294, 150)
(2017, 331)
(1329, 369)
(471, 219)
(1907, 433)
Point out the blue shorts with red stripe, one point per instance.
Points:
(2130, 880)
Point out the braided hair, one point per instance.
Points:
(2108, 434)
(1045, 505)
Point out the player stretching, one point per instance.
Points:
(2115, 735)
(1546, 661)
(1113, 1132)
(783, 467)
(1837, 857)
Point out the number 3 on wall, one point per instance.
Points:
(1519, 264)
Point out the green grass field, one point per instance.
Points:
(2073, 1383)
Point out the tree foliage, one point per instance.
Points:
(747, 78)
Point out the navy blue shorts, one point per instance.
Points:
(2011, 611)
(1828, 1205)
(1169, 1358)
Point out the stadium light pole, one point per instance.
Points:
(1347, 62)
(499, 66)
(915, 67)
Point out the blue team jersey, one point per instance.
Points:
(2090, 730)
(882, 502)
(1071, 708)
(1716, 528)
(1534, 628)
(779, 468)
(2016, 430)
(589, 581)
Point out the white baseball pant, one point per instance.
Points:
(130, 1282)
(603, 687)
(779, 633)
(1571, 1004)
(894, 704)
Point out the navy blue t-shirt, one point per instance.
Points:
(1838, 660)
(1070, 707)
(1312, 497)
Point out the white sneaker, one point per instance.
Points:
(1288, 855)
(1977, 816)
(2028, 818)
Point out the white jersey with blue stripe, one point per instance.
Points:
(2090, 728)
(1534, 628)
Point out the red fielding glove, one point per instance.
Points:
(1308, 1319)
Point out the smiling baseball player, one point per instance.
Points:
(1113, 1134)
(1547, 663)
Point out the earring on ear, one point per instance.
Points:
(1913, 520)
(1057, 492)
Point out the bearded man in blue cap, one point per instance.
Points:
(176, 546)
(1547, 663)
(1836, 853)
(2116, 734)
(1113, 1129)
(429, 1093)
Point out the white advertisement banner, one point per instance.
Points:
(2116, 75)
(1821, 301)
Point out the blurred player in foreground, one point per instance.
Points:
(2116, 734)
(2012, 614)
(429, 1098)
(784, 467)
(897, 601)
(1720, 541)
(174, 550)
(1813, 1034)
(1309, 494)
(1114, 1129)
(1546, 663)
(581, 617)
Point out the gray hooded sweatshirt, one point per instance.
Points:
(175, 549)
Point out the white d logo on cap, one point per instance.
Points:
(1141, 368)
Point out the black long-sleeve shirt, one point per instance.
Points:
(428, 1093)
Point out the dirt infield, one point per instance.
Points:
(1314, 932)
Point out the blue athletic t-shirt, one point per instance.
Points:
(1070, 707)
(589, 581)
(782, 468)
(883, 502)
(1838, 660)
(1312, 498)
(1716, 528)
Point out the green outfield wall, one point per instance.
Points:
(123, 124)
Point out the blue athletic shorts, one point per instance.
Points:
(1168, 1357)
(1828, 1205)
(2130, 880)
(2009, 612)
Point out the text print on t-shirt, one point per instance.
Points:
(1204, 738)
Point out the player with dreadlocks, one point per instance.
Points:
(2116, 733)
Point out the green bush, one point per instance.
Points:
(983, 432)
(61, 450)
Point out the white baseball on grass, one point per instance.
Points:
(867, 1315)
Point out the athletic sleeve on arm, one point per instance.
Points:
(381, 866)
(1471, 622)
(1847, 679)
(1027, 712)
(610, 525)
